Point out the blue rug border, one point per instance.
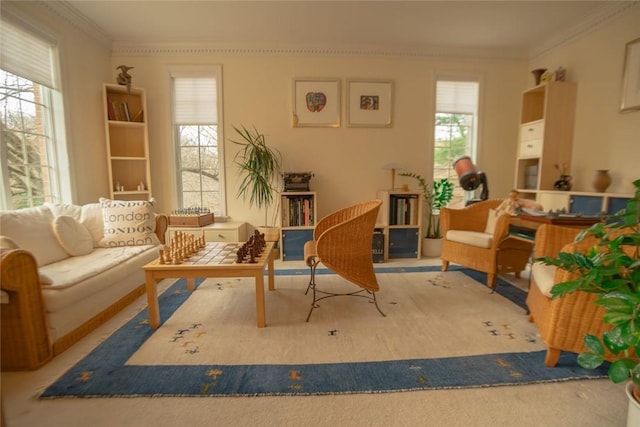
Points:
(96, 376)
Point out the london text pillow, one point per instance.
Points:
(128, 223)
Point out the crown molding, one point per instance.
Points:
(200, 49)
(591, 23)
(70, 14)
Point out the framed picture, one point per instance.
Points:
(316, 103)
(631, 77)
(369, 103)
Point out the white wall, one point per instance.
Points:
(347, 162)
(604, 138)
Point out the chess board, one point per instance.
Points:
(216, 253)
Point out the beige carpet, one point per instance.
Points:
(429, 315)
(573, 403)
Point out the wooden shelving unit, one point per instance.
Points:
(127, 142)
(298, 218)
(400, 219)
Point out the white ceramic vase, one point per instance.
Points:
(431, 248)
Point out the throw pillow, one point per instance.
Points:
(72, 236)
(128, 223)
(492, 219)
(91, 218)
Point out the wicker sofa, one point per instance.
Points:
(66, 269)
(563, 322)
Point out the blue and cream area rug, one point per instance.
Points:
(441, 331)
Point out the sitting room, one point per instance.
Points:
(416, 155)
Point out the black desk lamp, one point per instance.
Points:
(471, 178)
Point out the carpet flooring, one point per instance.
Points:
(442, 331)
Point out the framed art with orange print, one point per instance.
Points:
(316, 103)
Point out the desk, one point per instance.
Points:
(524, 226)
(215, 260)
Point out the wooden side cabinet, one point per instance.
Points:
(400, 219)
(127, 142)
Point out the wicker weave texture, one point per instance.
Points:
(474, 218)
(342, 242)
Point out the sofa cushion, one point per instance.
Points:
(543, 276)
(128, 223)
(31, 229)
(59, 209)
(91, 218)
(72, 236)
(473, 238)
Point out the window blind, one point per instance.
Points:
(26, 55)
(456, 97)
(195, 100)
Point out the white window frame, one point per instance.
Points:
(200, 71)
(61, 185)
(475, 128)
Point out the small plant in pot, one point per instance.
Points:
(434, 199)
(612, 271)
(260, 169)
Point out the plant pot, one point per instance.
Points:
(633, 412)
(431, 248)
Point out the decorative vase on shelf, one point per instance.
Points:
(601, 180)
(563, 184)
(537, 74)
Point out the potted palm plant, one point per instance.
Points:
(259, 166)
(434, 199)
(612, 271)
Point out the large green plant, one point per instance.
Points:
(259, 168)
(434, 199)
(612, 271)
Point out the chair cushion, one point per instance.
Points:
(473, 238)
(492, 219)
(543, 276)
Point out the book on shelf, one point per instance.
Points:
(403, 209)
(297, 211)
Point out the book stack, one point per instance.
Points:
(297, 211)
(403, 209)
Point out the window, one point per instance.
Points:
(198, 139)
(456, 124)
(32, 148)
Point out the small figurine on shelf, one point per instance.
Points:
(564, 183)
(124, 78)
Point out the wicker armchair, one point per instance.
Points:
(563, 322)
(342, 242)
(491, 253)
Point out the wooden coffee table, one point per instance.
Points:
(215, 260)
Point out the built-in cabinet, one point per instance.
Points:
(582, 203)
(545, 136)
(400, 220)
(127, 142)
(298, 218)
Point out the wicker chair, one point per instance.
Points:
(563, 322)
(466, 243)
(342, 242)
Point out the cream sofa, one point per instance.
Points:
(65, 269)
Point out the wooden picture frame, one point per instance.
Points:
(316, 103)
(631, 77)
(369, 103)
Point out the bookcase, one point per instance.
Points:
(546, 135)
(400, 219)
(127, 142)
(298, 218)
